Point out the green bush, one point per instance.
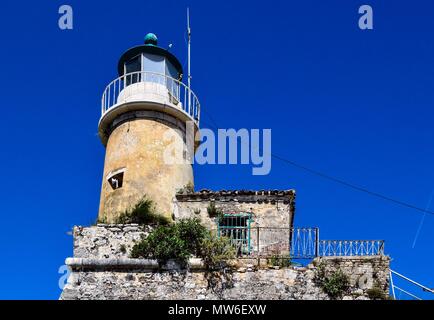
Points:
(192, 233)
(215, 251)
(335, 284)
(143, 212)
(99, 220)
(279, 261)
(123, 248)
(212, 210)
(376, 293)
(162, 244)
(182, 240)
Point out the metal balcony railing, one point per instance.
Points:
(341, 248)
(153, 87)
(410, 286)
(297, 243)
(304, 242)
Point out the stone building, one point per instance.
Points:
(147, 111)
(246, 212)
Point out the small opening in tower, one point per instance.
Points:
(116, 180)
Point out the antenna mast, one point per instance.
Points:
(189, 57)
(189, 45)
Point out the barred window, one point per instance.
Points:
(236, 227)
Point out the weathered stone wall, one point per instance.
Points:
(107, 241)
(364, 272)
(101, 269)
(126, 279)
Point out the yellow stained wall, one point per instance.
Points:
(138, 146)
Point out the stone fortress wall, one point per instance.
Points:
(101, 269)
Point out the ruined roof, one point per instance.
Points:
(286, 196)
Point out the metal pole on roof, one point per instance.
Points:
(189, 59)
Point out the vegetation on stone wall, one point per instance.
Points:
(216, 251)
(188, 188)
(377, 293)
(214, 212)
(335, 284)
(182, 240)
(277, 260)
(123, 248)
(102, 220)
(143, 212)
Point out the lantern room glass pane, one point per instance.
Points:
(171, 83)
(153, 63)
(171, 70)
(133, 65)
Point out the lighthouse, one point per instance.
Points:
(145, 105)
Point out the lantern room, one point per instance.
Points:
(150, 79)
(149, 59)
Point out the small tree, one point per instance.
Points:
(192, 233)
(182, 240)
(215, 251)
(162, 244)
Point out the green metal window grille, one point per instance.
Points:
(237, 227)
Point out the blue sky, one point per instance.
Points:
(355, 104)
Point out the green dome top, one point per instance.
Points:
(151, 39)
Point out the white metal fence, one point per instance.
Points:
(304, 242)
(297, 243)
(331, 248)
(158, 84)
(410, 285)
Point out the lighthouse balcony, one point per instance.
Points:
(146, 90)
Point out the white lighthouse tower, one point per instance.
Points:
(145, 104)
